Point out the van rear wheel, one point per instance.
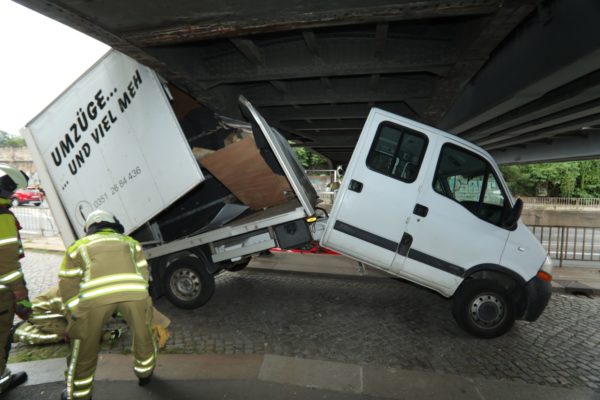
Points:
(188, 284)
(483, 308)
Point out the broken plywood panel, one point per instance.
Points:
(241, 168)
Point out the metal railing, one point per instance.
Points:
(36, 220)
(562, 202)
(569, 243)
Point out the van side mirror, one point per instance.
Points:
(510, 222)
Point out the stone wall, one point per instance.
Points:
(19, 157)
(561, 217)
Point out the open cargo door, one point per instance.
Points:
(286, 159)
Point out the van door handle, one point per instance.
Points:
(355, 186)
(420, 210)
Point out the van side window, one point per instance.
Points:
(397, 152)
(469, 180)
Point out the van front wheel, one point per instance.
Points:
(483, 308)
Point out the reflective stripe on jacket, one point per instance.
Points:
(103, 268)
(11, 249)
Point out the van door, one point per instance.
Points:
(379, 190)
(457, 221)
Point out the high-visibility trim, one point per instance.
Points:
(72, 367)
(30, 336)
(68, 273)
(5, 378)
(86, 259)
(8, 241)
(73, 254)
(46, 316)
(138, 247)
(112, 278)
(142, 370)
(72, 303)
(11, 276)
(126, 287)
(83, 382)
(82, 393)
(146, 362)
(142, 264)
(42, 304)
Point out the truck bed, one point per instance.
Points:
(258, 221)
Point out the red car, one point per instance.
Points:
(30, 195)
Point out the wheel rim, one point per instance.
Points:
(185, 284)
(487, 310)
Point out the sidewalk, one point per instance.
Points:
(570, 280)
(276, 377)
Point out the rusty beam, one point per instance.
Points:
(413, 10)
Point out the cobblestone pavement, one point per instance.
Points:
(382, 322)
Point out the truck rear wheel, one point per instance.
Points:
(188, 284)
(483, 308)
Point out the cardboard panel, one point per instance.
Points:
(241, 168)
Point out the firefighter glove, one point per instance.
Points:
(23, 309)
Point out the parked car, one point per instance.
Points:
(29, 195)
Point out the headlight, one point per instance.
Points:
(548, 265)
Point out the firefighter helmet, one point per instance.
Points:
(100, 217)
(11, 180)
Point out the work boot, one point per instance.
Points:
(111, 336)
(144, 381)
(15, 380)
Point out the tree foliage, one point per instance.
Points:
(565, 179)
(309, 159)
(8, 140)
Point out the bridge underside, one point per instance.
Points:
(519, 77)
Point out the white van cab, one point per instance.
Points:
(426, 206)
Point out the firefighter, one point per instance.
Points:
(101, 274)
(13, 291)
(48, 324)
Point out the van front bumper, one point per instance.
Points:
(538, 294)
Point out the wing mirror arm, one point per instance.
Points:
(510, 222)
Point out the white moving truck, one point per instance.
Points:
(416, 202)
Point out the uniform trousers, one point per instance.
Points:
(85, 333)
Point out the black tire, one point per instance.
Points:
(483, 308)
(188, 284)
(240, 265)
